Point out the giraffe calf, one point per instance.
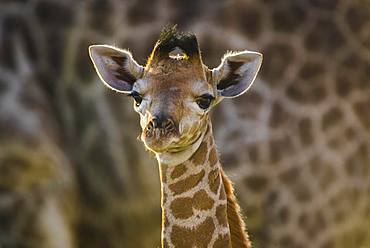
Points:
(173, 94)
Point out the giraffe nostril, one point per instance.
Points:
(150, 126)
(161, 122)
(156, 122)
(168, 125)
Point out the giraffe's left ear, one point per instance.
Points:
(236, 73)
(115, 67)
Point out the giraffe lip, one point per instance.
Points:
(159, 139)
(160, 133)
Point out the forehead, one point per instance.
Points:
(175, 79)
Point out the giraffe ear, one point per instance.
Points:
(115, 67)
(236, 73)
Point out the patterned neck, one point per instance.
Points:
(194, 204)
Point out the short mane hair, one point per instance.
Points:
(171, 38)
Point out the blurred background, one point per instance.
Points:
(297, 145)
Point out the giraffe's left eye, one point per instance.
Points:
(137, 97)
(204, 101)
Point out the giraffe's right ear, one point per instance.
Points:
(236, 73)
(115, 67)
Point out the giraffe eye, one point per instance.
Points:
(138, 99)
(204, 101)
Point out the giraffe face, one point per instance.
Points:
(173, 108)
(175, 91)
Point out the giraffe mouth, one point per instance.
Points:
(159, 139)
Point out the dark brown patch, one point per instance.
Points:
(198, 237)
(202, 200)
(327, 4)
(280, 148)
(302, 193)
(363, 112)
(138, 15)
(221, 215)
(331, 118)
(324, 37)
(222, 194)
(283, 215)
(187, 183)
(241, 17)
(100, 18)
(279, 116)
(222, 242)
(253, 153)
(306, 92)
(305, 131)
(183, 207)
(178, 171)
(278, 56)
(200, 155)
(290, 176)
(55, 14)
(288, 17)
(312, 71)
(214, 180)
(213, 157)
(310, 87)
(287, 241)
(256, 183)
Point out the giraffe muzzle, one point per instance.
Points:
(159, 134)
(160, 125)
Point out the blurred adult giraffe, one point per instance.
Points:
(173, 94)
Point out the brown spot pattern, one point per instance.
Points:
(200, 155)
(305, 131)
(197, 237)
(183, 207)
(187, 183)
(178, 171)
(222, 242)
(214, 180)
(213, 157)
(221, 215)
(222, 194)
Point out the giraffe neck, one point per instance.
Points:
(194, 203)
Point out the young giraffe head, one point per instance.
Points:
(174, 91)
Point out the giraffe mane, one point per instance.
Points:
(238, 232)
(169, 39)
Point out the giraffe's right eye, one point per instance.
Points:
(138, 99)
(204, 101)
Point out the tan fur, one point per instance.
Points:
(238, 232)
